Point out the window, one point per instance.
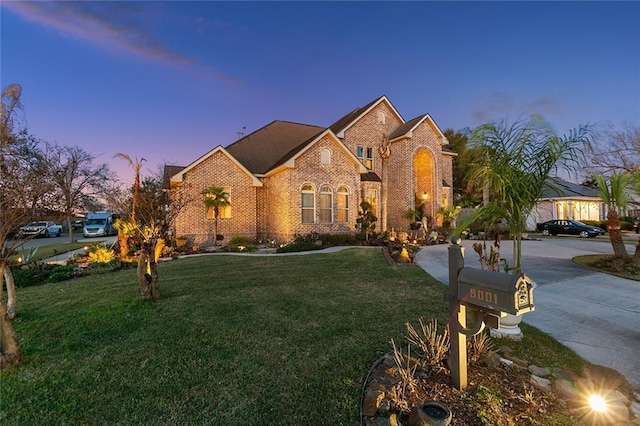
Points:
(371, 197)
(342, 213)
(369, 160)
(325, 157)
(326, 204)
(308, 204)
(360, 153)
(225, 211)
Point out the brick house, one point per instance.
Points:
(288, 178)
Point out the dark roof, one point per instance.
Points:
(370, 177)
(271, 145)
(554, 187)
(343, 122)
(167, 172)
(405, 128)
(445, 184)
(447, 148)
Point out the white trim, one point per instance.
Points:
(177, 178)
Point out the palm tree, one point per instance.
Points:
(612, 192)
(215, 198)
(514, 162)
(136, 166)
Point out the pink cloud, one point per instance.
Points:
(112, 25)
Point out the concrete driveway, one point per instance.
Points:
(595, 314)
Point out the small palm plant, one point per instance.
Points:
(216, 198)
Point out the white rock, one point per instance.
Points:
(541, 383)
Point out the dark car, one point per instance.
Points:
(636, 226)
(571, 227)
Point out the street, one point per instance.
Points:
(64, 238)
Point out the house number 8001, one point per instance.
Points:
(483, 295)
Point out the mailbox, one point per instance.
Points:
(495, 291)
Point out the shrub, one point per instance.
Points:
(240, 241)
(602, 224)
(62, 273)
(29, 277)
(101, 255)
(240, 245)
(626, 226)
(340, 239)
(433, 346)
(298, 246)
(479, 346)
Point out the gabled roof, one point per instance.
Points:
(167, 173)
(271, 145)
(178, 176)
(288, 160)
(554, 187)
(406, 129)
(340, 126)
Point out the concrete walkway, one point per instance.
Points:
(597, 315)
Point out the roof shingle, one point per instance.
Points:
(269, 146)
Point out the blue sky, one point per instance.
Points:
(168, 81)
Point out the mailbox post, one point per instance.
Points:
(491, 295)
(457, 318)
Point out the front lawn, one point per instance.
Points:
(234, 341)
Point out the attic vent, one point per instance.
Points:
(381, 117)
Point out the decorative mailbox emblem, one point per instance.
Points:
(495, 291)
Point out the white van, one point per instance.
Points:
(100, 224)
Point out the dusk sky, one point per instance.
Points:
(169, 81)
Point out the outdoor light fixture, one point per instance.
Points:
(425, 195)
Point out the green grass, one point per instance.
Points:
(542, 350)
(611, 265)
(47, 251)
(234, 341)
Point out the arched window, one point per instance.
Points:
(308, 204)
(326, 204)
(325, 157)
(342, 201)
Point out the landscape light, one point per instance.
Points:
(597, 403)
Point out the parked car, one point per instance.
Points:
(100, 224)
(571, 227)
(636, 226)
(44, 229)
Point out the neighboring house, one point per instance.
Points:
(565, 200)
(289, 179)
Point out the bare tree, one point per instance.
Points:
(615, 151)
(78, 180)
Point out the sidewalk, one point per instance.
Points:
(62, 258)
